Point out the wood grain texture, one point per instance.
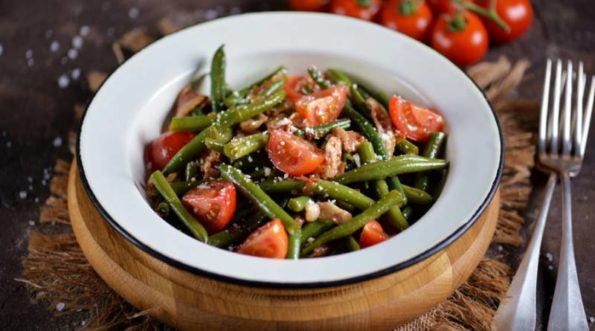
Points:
(189, 301)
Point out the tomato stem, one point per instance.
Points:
(458, 23)
(364, 3)
(407, 7)
(489, 13)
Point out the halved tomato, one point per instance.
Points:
(166, 146)
(270, 240)
(323, 106)
(413, 121)
(372, 234)
(292, 154)
(297, 85)
(213, 204)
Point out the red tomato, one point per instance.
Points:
(323, 106)
(518, 14)
(296, 84)
(461, 38)
(292, 154)
(308, 5)
(409, 17)
(443, 6)
(372, 234)
(363, 9)
(166, 146)
(213, 204)
(413, 121)
(270, 240)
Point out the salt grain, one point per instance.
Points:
(57, 142)
(550, 267)
(8, 144)
(60, 306)
(76, 73)
(133, 12)
(591, 319)
(54, 46)
(30, 179)
(29, 54)
(84, 30)
(31, 222)
(72, 53)
(77, 42)
(1, 49)
(211, 14)
(23, 194)
(63, 81)
(30, 62)
(549, 256)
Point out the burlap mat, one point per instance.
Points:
(58, 275)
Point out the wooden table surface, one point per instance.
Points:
(39, 65)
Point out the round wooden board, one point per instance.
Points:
(188, 301)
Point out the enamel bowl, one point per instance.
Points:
(129, 109)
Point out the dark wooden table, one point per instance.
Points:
(36, 38)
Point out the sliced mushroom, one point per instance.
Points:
(383, 125)
(349, 139)
(330, 211)
(333, 163)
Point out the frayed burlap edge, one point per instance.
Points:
(57, 273)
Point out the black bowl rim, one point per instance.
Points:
(264, 284)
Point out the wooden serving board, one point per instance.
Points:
(188, 301)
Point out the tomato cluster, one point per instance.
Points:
(459, 29)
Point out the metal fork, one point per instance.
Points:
(559, 155)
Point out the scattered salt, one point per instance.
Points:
(550, 267)
(549, 256)
(77, 42)
(57, 142)
(84, 30)
(54, 46)
(76, 73)
(29, 54)
(60, 306)
(8, 144)
(591, 319)
(63, 81)
(31, 222)
(133, 12)
(211, 14)
(1, 49)
(23, 194)
(72, 53)
(30, 179)
(30, 62)
(30, 187)
(36, 200)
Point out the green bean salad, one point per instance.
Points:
(295, 166)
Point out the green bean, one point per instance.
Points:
(318, 77)
(214, 145)
(275, 86)
(356, 223)
(189, 123)
(234, 235)
(406, 147)
(432, 150)
(396, 165)
(244, 92)
(359, 100)
(314, 229)
(407, 212)
(225, 119)
(182, 187)
(218, 137)
(323, 129)
(281, 186)
(338, 77)
(191, 170)
(240, 147)
(162, 208)
(171, 198)
(417, 196)
(381, 97)
(186, 153)
(351, 243)
(266, 204)
(218, 85)
(298, 204)
(394, 215)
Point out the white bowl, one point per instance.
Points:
(129, 109)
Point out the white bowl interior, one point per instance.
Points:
(129, 110)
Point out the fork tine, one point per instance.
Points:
(554, 119)
(588, 114)
(566, 115)
(580, 94)
(544, 107)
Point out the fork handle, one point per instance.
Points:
(517, 311)
(568, 312)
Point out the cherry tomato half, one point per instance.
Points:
(323, 106)
(410, 17)
(413, 121)
(166, 146)
(295, 86)
(362, 9)
(461, 38)
(213, 204)
(372, 234)
(270, 240)
(308, 5)
(517, 14)
(292, 154)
